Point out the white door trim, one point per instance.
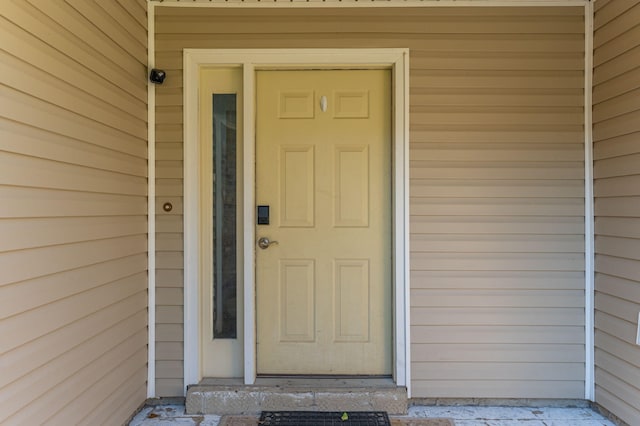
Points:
(249, 60)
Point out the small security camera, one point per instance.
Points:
(157, 76)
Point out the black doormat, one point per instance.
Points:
(324, 418)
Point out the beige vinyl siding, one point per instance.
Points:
(497, 216)
(616, 119)
(73, 224)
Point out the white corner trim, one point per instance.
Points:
(250, 60)
(191, 167)
(151, 207)
(589, 246)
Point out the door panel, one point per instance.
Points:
(323, 166)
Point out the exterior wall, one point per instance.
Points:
(496, 184)
(616, 116)
(73, 261)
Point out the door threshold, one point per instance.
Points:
(322, 382)
(311, 381)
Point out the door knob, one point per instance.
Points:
(265, 242)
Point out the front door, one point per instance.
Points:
(323, 190)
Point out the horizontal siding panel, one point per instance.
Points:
(169, 278)
(170, 314)
(35, 202)
(448, 243)
(616, 46)
(607, 12)
(41, 85)
(617, 187)
(120, 362)
(498, 79)
(618, 126)
(618, 267)
(65, 311)
(496, 207)
(169, 133)
(618, 287)
(451, 188)
(33, 112)
(615, 386)
(618, 348)
(169, 151)
(505, 133)
(166, 351)
(499, 371)
(619, 166)
(111, 28)
(498, 389)
(169, 333)
(615, 404)
(613, 69)
(483, 97)
(27, 295)
(621, 23)
(20, 234)
(525, 299)
(50, 260)
(81, 32)
(57, 175)
(532, 280)
(137, 9)
(496, 225)
(38, 381)
(134, 27)
(623, 330)
(27, 141)
(169, 369)
(508, 353)
(488, 334)
(614, 147)
(490, 153)
(38, 25)
(38, 353)
(170, 387)
(619, 105)
(525, 61)
(169, 297)
(170, 260)
(169, 114)
(614, 86)
(425, 24)
(618, 307)
(618, 247)
(169, 187)
(498, 261)
(171, 223)
(496, 316)
(618, 227)
(169, 169)
(496, 170)
(126, 403)
(525, 116)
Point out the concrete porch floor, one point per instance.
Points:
(166, 415)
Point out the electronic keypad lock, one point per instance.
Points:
(263, 215)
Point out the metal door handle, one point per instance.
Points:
(264, 243)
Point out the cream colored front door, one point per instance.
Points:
(323, 168)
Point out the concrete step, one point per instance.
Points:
(231, 396)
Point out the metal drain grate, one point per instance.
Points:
(316, 418)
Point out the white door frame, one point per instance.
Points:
(249, 61)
